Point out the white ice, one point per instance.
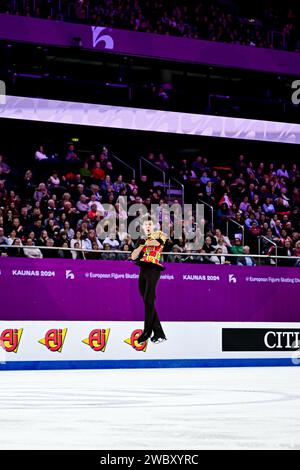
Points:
(209, 408)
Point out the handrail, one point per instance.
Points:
(124, 163)
(189, 253)
(212, 213)
(154, 166)
(239, 225)
(269, 241)
(182, 189)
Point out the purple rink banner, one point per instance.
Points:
(58, 33)
(75, 290)
(59, 314)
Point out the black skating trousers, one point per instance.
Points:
(148, 279)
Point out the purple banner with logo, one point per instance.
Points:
(56, 33)
(108, 290)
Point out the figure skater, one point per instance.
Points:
(147, 253)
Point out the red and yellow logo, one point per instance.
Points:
(97, 339)
(132, 341)
(54, 339)
(10, 339)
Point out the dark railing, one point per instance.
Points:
(168, 256)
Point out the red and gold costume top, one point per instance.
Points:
(151, 254)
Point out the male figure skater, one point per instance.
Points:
(148, 253)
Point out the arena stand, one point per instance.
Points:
(260, 25)
(57, 203)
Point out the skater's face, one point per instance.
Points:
(148, 227)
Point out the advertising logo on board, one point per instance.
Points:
(232, 278)
(260, 339)
(132, 341)
(70, 274)
(99, 36)
(10, 339)
(97, 339)
(54, 339)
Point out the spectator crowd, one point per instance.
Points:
(210, 20)
(57, 203)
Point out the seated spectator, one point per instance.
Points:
(222, 245)
(98, 174)
(82, 205)
(108, 255)
(92, 213)
(267, 241)
(42, 239)
(49, 251)
(3, 238)
(143, 186)
(72, 156)
(40, 154)
(218, 259)
(250, 220)
(253, 235)
(174, 257)
(223, 214)
(109, 170)
(125, 255)
(111, 241)
(296, 252)
(268, 207)
(276, 226)
(162, 163)
(122, 233)
(4, 167)
(286, 251)
(282, 172)
(244, 205)
(132, 185)
(63, 252)
(94, 201)
(68, 229)
(219, 236)
(88, 242)
(204, 178)
(30, 251)
(12, 236)
(77, 239)
(128, 241)
(41, 192)
(246, 260)
(207, 246)
(237, 248)
(77, 254)
(281, 206)
(106, 184)
(54, 180)
(85, 171)
(94, 252)
(209, 192)
(16, 252)
(119, 185)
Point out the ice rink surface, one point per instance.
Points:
(209, 408)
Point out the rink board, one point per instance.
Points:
(61, 345)
(87, 314)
